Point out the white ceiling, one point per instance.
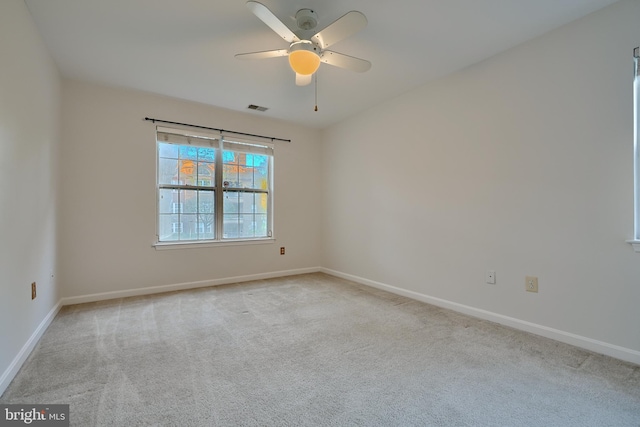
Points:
(186, 48)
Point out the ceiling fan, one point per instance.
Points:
(306, 53)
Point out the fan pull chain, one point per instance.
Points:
(316, 85)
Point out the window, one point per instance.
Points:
(212, 188)
(636, 150)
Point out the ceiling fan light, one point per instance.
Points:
(303, 59)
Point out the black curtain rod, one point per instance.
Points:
(216, 129)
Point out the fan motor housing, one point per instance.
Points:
(306, 19)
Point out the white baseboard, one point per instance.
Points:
(182, 286)
(596, 346)
(27, 348)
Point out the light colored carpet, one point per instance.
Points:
(313, 350)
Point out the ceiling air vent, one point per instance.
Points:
(257, 108)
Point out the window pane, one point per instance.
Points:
(189, 198)
(229, 157)
(231, 221)
(188, 152)
(246, 225)
(167, 171)
(250, 225)
(189, 227)
(166, 201)
(261, 203)
(207, 154)
(257, 160)
(231, 226)
(169, 151)
(231, 202)
(254, 225)
(247, 229)
(230, 176)
(245, 175)
(246, 202)
(206, 216)
(206, 200)
(251, 203)
(261, 177)
(167, 227)
(206, 174)
(250, 160)
(187, 172)
(260, 225)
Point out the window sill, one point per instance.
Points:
(635, 244)
(163, 246)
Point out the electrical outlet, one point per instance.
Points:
(33, 290)
(531, 284)
(491, 277)
(282, 250)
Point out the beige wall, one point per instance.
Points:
(108, 195)
(29, 140)
(520, 164)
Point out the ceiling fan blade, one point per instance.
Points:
(303, 79)
(345, 61)
(350, 23)
(264, 54)
(272, 21)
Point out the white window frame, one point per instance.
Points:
(635, 242)
(220, 143)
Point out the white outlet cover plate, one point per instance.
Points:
(491, 277)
